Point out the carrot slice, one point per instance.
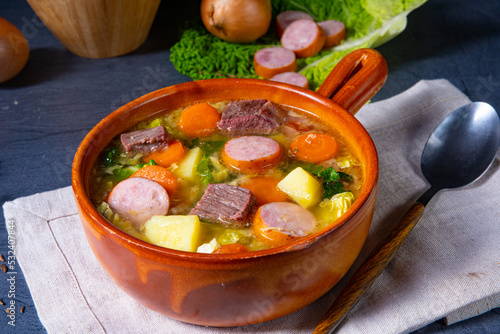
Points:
(251, 154)
(172, 154)
(265, 189)
(314, 147)
(161, 175)
(199, 120)
(230, 248)
(270, 237)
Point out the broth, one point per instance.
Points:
(281, 172)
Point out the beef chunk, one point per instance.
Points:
(250, 117)
(145, 141)
(228, 205)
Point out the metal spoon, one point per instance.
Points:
(459, 151)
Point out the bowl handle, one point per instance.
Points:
(355, 79)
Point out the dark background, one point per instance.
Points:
(49, 107)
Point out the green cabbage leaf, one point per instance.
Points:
(330, 209)
(369, 23)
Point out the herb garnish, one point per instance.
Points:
(332, 179)
(206, 167)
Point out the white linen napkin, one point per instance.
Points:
(448, 268)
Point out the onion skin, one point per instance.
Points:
(236, 21)
(14, 50)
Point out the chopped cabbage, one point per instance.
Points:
(118, 221)
(332, 208)
(209, 247)
(345, 160)
(234, 236)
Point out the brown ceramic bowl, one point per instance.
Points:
(244, 288)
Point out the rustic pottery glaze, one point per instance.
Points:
(244, 288)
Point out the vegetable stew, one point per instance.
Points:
(226, 177)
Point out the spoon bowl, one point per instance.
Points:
(459, 151)
(462, 146)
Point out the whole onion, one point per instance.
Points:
(14, 50)
(237, 21)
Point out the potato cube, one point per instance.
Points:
(176, 232)
(186, 169)
(302, 187)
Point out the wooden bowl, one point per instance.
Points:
(98, 28)
(244, 288)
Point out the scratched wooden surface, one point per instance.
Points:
(48, 108)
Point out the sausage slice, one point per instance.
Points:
(304, 37)
(270, 61)
(138, 199)
(335, 32)
(279, 223)
(293, 78)
(284, 19)
(251, 154)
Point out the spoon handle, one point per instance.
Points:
(367, 274)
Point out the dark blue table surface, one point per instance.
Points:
(49, 107)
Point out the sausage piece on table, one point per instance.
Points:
(251, 154)
(284, 19)
(304, 37)
(273, 60)
(138, 199)
(279, 223)
(335, 32)
(293, 78)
